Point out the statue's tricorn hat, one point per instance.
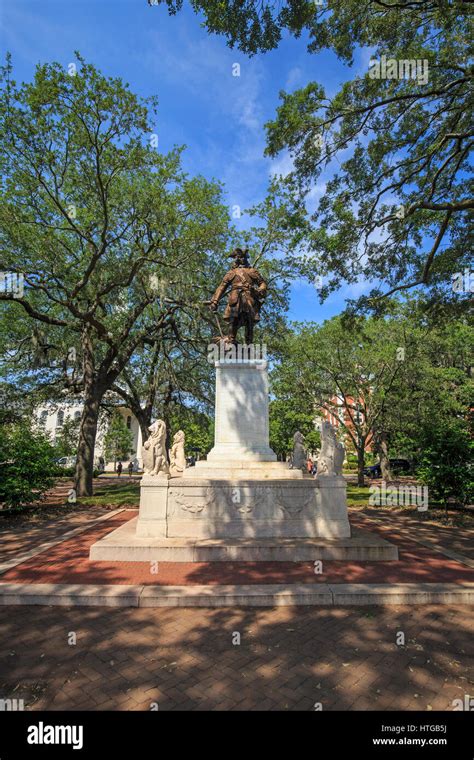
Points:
(238, 253)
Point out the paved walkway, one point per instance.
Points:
(68, 562)
(420, 526)
(288, 658)
(19, 535)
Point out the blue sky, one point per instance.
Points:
(218, 116)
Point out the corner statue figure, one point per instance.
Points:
(299, 452)
(332, 452)
(177, 455)
(247, 290)
(154, 451)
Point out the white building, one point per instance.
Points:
(51, 417)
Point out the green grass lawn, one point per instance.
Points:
(357, 496)
(114, 494)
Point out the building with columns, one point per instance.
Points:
(52, 415)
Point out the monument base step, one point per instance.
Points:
(236, 596)
(232, 469)
(123, 545)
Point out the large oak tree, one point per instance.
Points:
(395, 210)
(93, 216)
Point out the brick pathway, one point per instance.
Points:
(18, 534)
(68, 562)
(420, 525)
(288, 658)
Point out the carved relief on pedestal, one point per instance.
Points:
(293, 502)
(255, 501)
(245, 502)
(193, 503)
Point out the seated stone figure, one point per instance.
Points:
(332, 452)
(154, 457)
(299, 452)
(177, 455)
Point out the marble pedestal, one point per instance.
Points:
(243, 508)
(241, 414)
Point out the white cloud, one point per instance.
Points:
(207, 70)
(232, 147)
(294, 78)
(281, 166)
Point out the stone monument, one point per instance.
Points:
(240, 503)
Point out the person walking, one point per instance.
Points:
(309, 465)
(119, 469)
(130, 469)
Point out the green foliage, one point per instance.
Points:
(338, 367)
(402, 376)
(434, 386)
(286, 417)
(27, 466)
(396, 209)
(446, 465)
(111, 235)
(249, 25)
(351, 461)
(198, 429)
(67, 438)
(65, 472)
(259, 27)
(118, 439)
(110, 218)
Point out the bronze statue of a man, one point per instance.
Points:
(247, 290)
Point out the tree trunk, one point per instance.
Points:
(144, 421)
(360, 464)
(86, 446)
(167, 402)
(382, 450)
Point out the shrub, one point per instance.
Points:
(27, 466)
(64, 472)
(446, 465)
(351, 462)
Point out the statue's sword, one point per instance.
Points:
(217, 320)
